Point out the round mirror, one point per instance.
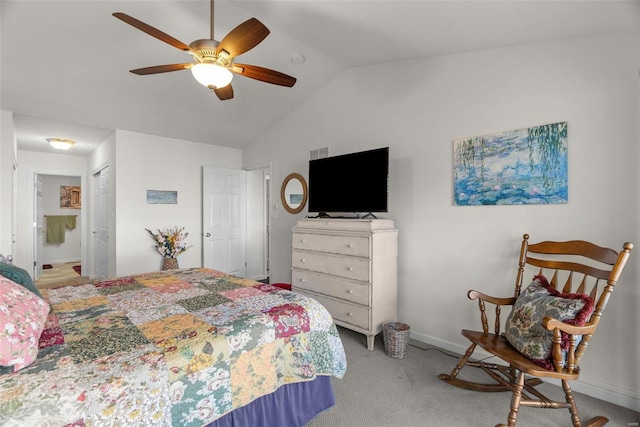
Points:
(294, 193)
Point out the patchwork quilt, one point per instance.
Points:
(178, 347)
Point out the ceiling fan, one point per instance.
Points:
(213, 62)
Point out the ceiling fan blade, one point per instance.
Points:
(264, 74)
(154, 32)
(161, 69)
(223, 93)
(244, 37)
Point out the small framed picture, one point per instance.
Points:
(70, 197)
(162, 197)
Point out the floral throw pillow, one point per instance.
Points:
(524, 328)
(22, 318)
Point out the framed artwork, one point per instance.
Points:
(161, 197)
(516, 167)
(70, 197)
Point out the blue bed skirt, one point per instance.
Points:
(292, 405)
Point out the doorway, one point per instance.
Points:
(258, 223)
(58, 221)
(224, 220)
(236, 222)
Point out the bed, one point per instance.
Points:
(191, 347)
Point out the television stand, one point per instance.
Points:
(320, 215)
(370, 215)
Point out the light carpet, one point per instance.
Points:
(379, 391)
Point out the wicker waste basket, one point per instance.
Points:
(396, 339)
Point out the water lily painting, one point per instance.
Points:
(517, 167)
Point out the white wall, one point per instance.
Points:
(417, 108)
(7, 160)
(148, 162)
(29, 164)
(7, 152)
(69, 250)
(137, 162)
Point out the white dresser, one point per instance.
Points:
(351, 267)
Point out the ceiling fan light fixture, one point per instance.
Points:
(211, 75)
(60, 143)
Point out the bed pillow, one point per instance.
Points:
(22, 318)
(18, 275)
(524, 328)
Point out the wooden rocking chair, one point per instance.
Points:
(565, 261)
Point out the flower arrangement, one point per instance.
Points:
(170, 242)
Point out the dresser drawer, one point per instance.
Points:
(332, 286)
(341, 224)
(340, 310)
(342, 266)
(347, 245)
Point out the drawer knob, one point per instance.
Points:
(303, 241)
(350, 291)
(350, 268)
(303, 280)
(350, 314)
(349, 245)
(303, 260)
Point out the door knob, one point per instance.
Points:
(207, 235)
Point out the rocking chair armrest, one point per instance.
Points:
(493, 300)
(563, 360)
(551, 323)
(498, 302)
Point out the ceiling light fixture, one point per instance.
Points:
(211, 75)
(61, 143)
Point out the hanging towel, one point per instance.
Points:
(56, 225)
(71, 222)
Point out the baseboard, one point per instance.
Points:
(618, 396)
(626, 398)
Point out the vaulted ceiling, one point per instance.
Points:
(64, 64)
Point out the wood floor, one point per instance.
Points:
(60, 275)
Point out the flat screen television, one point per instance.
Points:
(350, 183)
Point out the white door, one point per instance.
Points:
(224, 216)
(38, 228)
(101, 221)
(257, 224)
